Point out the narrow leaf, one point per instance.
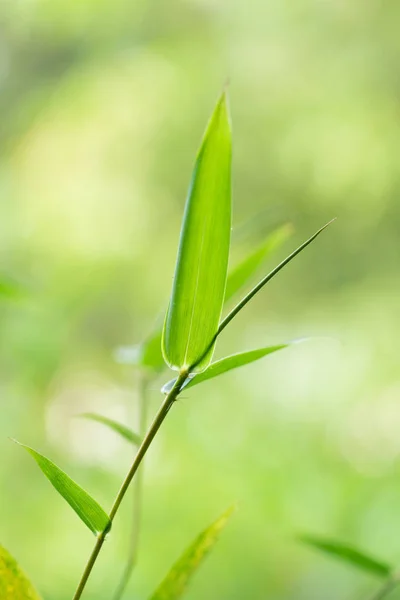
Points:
(244, 270)
(224, 365)
(233, 362)
(348, 554)
(119, 428)
(82, 503)
(14, 584)
(175, 583)
(200, 275)
(266, 279)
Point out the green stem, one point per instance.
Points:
(144, 446)
(137, 496)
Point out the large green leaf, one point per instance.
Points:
(348, 554)
(200, 275)
(239, 275)
(82, 503)
(175, 583)
(14, 584)
(119, 428)
(226, 364)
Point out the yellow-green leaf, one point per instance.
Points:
(175, 583)
(89, 511)
(14, 584)
(200, 275)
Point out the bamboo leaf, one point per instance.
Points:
(175, 583)
(14, 584)
(200, 275)
(152, 356)
(224, 365)
(89, 511)
(266, 279)
(233, 361)
(244, 270)
(119, 428)
(348, 554)
(147, 354)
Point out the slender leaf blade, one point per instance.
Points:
(124, 431)
(266, 279)
(87, 509)
(224, 365)
(233, 361)
(348, 554)
(14, 584)
(175, 583)
(239, 275)
(200, 275)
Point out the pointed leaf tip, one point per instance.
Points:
(200, 274)
(268, 278)
(87, 509)
(175, 583)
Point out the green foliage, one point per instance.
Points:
(14, 584)
(234, 361)
(119, 428)
(177, 580)
(147, 354)
(239, 275)
(268, 278)
(89, 511)
(200, 276)
(348, 554)
(219, 367)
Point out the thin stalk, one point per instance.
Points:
(144, 446)
(136, 496)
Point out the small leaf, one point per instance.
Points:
(175, 583)
(84, 505)
(232, 362)
(224, 365)
(14, 584)
(147, 354)
(200, 275)
(244, 270)
(265, 280)
(119, 428)
(348, 554)
(152, 356)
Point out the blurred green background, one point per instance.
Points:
(103, 104)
